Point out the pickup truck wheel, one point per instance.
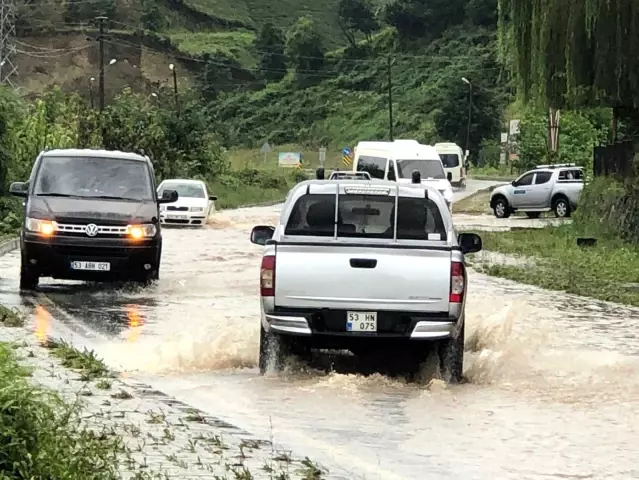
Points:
(561, 207)
(501, 209)
(273, 351)
(533, 214)
(451, 358)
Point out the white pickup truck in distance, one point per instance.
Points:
(366, 266)
(546, 188)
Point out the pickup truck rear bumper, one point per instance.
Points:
(332, 324)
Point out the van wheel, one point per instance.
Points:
(273, 351)
(500, 209)
(28, 278)
(451, 358)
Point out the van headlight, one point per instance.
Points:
(43, 227)
(196, 209)
(448, 195)
(141, 231)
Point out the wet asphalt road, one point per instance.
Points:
(553, 386)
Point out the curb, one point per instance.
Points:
(9, 246)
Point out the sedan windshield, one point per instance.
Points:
(94, 177)
(189, 190)
(427, 168)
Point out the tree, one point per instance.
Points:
(87, 11)
(151, 18)
(451, 122)
(356, 16)
(424, 18)
(482, 12)
(269, 45)
(304, 47)
(574, 52)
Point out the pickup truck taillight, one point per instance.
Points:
(267, 276)
(457, 273)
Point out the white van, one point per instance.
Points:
(454, 161)
(397, 160)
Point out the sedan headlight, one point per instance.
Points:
(43, 227)
(141, 231)
(196, 209)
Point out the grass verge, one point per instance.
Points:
(10, 317)
(84, 362)
(41, 436)
(476, 204)
(250, 185)
(608, 271)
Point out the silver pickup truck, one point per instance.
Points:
(547, 187)
(374, 267)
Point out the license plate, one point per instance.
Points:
(361, 321)
(94, 266)
(177, 217)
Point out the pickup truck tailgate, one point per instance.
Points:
(341, 277)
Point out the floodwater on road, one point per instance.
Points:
(553, 379)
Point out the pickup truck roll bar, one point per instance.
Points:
(346, 175)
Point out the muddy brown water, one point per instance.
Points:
(553, 379)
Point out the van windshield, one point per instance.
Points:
(427, 168)
(366, 216)
(450, 160)
(94, 177)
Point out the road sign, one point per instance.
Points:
(322, 155)
(346, 157)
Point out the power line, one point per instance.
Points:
(8, 68)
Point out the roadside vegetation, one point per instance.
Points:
(551, 258)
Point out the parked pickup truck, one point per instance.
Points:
(546, 188)
(374, 267)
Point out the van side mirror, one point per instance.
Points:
(469, 242)
(168, 196)
(212, 197)
(261, 234)
(19, 189)
(514, 183)
(449, 177)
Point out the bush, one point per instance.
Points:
(609, 209)
(42, 437)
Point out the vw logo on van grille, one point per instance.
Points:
(91, 230)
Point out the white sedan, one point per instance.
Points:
(194, 204)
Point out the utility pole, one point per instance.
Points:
(175, 88)
(91, 92)
(101, 84)
(470, 111)
(7, 42)
(390, 97)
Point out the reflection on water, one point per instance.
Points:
(135, 323)
(42, 320)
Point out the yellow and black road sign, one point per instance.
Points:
(346, 160)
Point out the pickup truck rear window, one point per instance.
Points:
(362, 216)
